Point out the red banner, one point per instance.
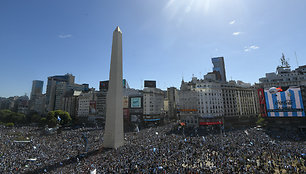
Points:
(211, 123)
(262, 102)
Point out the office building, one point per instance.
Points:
(172, 100)
(219, 67)
(37, 88)
(56, 87)
(153, 104)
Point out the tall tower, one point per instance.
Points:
(219, 66)
(113, 136)
(37, 88)
(56, 87)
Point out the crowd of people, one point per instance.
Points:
(163, 149)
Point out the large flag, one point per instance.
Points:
(287, 103)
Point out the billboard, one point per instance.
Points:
(150, 83)
(92, 107)
(125, 102)
(262, 102)
(135, 102)
(103, 85)
(287, 103)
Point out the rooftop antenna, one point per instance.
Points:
(297, 63)
(284, 61)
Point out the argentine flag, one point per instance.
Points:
(288, 103)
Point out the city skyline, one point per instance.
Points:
(163, 41)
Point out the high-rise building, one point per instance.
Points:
(37, 88)
(87, 104)
(153, 104)
(219, 66)
(200, 99)
(172, 98)
(284, 77)
(56, 87)
(71, 102)
(36, 92)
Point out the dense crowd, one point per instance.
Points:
(163, 149)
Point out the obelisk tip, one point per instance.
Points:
(118, 29)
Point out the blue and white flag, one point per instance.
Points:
(288, 103)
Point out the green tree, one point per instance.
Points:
(18, 118)
(64, 117)
(5, 115)
(9, 124)
(8, 116)
(52, 122)
(50, 119)
(43, 121)
(58, 116)
(33, 117)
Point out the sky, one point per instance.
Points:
(163, 40)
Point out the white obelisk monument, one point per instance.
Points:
(113, 136)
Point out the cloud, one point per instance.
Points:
(64, 36)
(232, 22)
(170, 2)
(253, 47)
(236, 33)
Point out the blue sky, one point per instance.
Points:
(163, 40)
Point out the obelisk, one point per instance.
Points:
(113, 136)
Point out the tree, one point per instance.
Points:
(33, 117)
(52, 122)
(43, 121)
(8, 116)
(64, 117)
(58, 116)
(9, 124)
(18, 118)
(5, 115)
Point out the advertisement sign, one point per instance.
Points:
(125, 102)
(150, 83)
(287, 103)
(136, 102)
(211, 123)
(262, 102)
(103, 85)
(92, 107)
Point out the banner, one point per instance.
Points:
(211, 123)
(262, 102)
(288, 103)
